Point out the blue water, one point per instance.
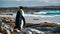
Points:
(49, 12)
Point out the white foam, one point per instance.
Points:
(30, 32)
(37, 31)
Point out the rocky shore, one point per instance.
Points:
(7, 25)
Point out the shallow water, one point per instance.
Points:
(51, 29)
(46, 30)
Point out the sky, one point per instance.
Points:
(29, 3)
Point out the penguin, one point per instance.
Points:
(20, 20)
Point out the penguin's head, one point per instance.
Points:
(20, 7)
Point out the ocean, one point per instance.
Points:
(52, 16)
(51, 12)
